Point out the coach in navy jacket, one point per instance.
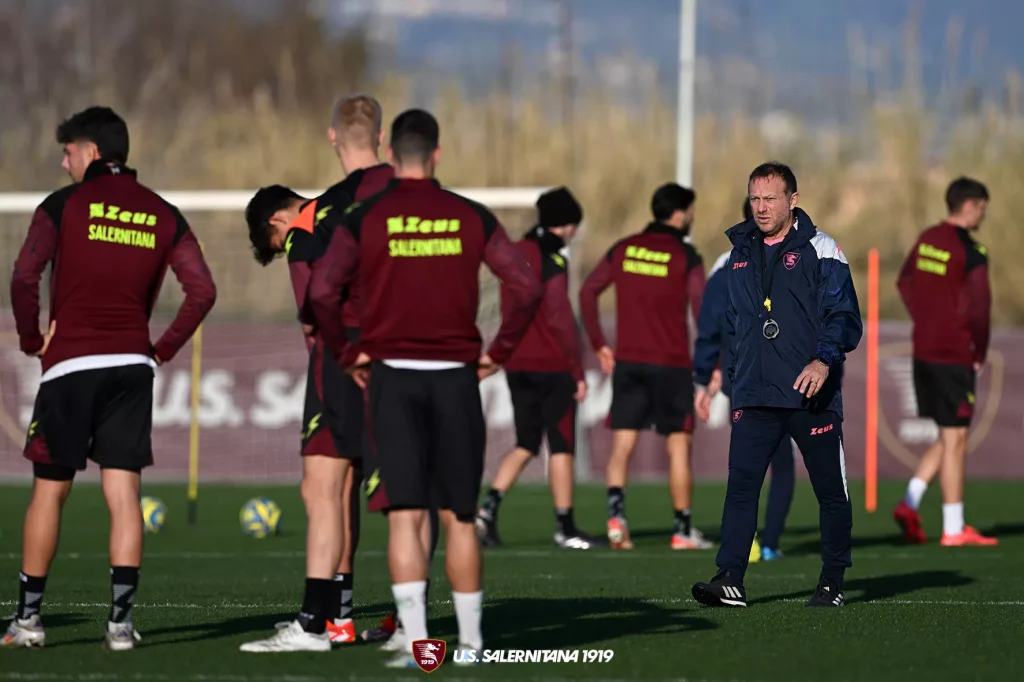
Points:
(710, 355)
(792, 317)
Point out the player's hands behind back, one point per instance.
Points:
(606, 356)
(486, 367)
(360, 371)
(581, 391)
(46, 339)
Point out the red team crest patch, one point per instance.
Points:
(429, 653)
(736, 415)
(791, 259)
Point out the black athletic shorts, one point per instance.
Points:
(544, 404)
(334, 416)
(104, 414)
(428, 431)
(651, 395)
(945, 393)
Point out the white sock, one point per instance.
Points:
(915, 491)
(953, 518)
(468, 612)
(411, 601)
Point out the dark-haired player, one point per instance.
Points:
(415, 251)
(657, 274)
(282, 222)
(944, 285)
(110, 241)
(545, 376)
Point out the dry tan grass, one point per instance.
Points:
(875, 189)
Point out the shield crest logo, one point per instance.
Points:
(791, 259)
(429, 653)
(736, 415)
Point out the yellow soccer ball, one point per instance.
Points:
(260, 517)
(755, 551)
(154, 513)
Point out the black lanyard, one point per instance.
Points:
(768, 273)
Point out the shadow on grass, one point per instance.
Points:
(566, 623)
(1005, 530)
(508, 623)
(813, 545)
(880, 588)
(260, 625)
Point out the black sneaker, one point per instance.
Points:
(722, 590)
(828, 594)
(577, 539)
(487, 529)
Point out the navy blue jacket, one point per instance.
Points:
(711, 349)
(814, 304)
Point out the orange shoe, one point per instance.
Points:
(618, 533)
(909, 521)
(695, 540)
(969, 537)
(342, 632)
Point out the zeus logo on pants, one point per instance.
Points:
(820, 430)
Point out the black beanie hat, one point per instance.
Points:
(558, 207)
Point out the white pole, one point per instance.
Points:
(687, 71)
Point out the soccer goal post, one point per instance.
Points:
(236, 396)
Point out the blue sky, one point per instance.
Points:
(793, 46)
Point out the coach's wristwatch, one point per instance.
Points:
(823, 361)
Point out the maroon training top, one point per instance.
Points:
(110, 240)
(416, 249)
(311, 232)
(552, 343)
(656, 274)
(944, 285)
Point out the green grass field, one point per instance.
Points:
(913, 613)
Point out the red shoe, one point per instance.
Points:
(383, 632)
(968, 537)
(910, 522)
(342, 632)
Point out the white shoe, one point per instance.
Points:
(26, 632)
(397, 641)
(290, 638)
(121, 637)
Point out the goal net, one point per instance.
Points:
(253, 357)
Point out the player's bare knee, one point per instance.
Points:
(121, 488)
(51, 492)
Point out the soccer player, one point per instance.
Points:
(793, 315)
(110, 241)
(656, 274)
(282, 222)
(545, 376)
(709, 356)
(944, 285)
(415, 250)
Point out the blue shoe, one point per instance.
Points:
(401, 660)
(769, 554)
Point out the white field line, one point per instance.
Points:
(162, 677)
(231, 606)
(523, 554)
